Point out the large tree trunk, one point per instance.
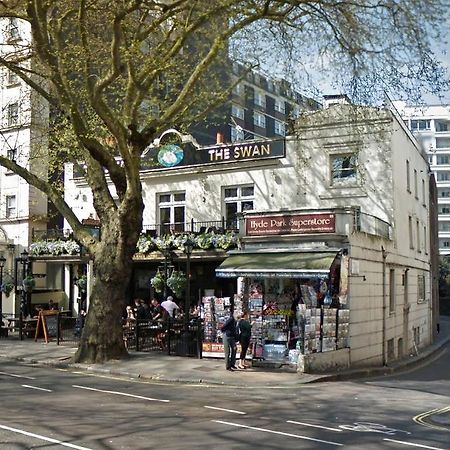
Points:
(102, 336)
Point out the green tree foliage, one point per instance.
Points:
(114, 74)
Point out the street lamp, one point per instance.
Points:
(188, 248)
(24, 260)
(2, 265)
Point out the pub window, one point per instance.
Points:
(11, 207)
(391, 290)
(410, 231)
(343, 167)
(408, 179)
(11, 154)
(171, 211)
(418, 236)
(420, 288)
(416, 192)
(12, 78)
(13, 114)
(237, 199)
(425, 247)
(424, 199)
(13, 28)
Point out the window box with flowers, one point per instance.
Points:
(54, 248)
(204, 241)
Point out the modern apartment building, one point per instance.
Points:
(259, 106)
(431, 126)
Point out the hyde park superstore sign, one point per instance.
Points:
(290, 224)
(172, 156)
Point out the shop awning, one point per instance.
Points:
(287, 265)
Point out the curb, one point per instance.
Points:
(430, 353)
(427, 355)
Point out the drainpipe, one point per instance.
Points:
(383, 334)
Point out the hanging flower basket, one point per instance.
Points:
(157, 282)
(28, 283)
(7, 288)
(177, 282)
(82, 283)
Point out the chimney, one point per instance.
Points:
(337, 99)
(220, 137)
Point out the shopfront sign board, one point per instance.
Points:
(172, 156)
(179, 156)
(290, 224)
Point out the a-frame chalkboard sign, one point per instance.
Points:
(48, 323)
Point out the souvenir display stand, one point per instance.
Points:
(289, 317)
(216, 312)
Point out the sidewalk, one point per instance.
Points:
(156, 366)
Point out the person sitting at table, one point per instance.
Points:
(139, 310)
(157, 310)
(51, 305)
(37, 310)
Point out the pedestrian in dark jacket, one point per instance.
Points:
(229, 343)
(245, 334)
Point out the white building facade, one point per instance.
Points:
(23, 138)
(357, 170)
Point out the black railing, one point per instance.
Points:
(153, 230)
(51, 234)
(171, 336)
(219, 226)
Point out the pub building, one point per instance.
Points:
(336, 244)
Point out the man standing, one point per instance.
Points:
(229, 343)
(170, 306)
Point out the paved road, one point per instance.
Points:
(57, 409)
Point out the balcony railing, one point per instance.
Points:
(351, 220)
(219, 226)
(367, 223)
(154, 230)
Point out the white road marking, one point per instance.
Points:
(315, 426)
(121, 393)
(265, 430)
(35, 387)
(370, 427)
(226, 410)
(17, 376)
(413, 445)
(43, 438)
